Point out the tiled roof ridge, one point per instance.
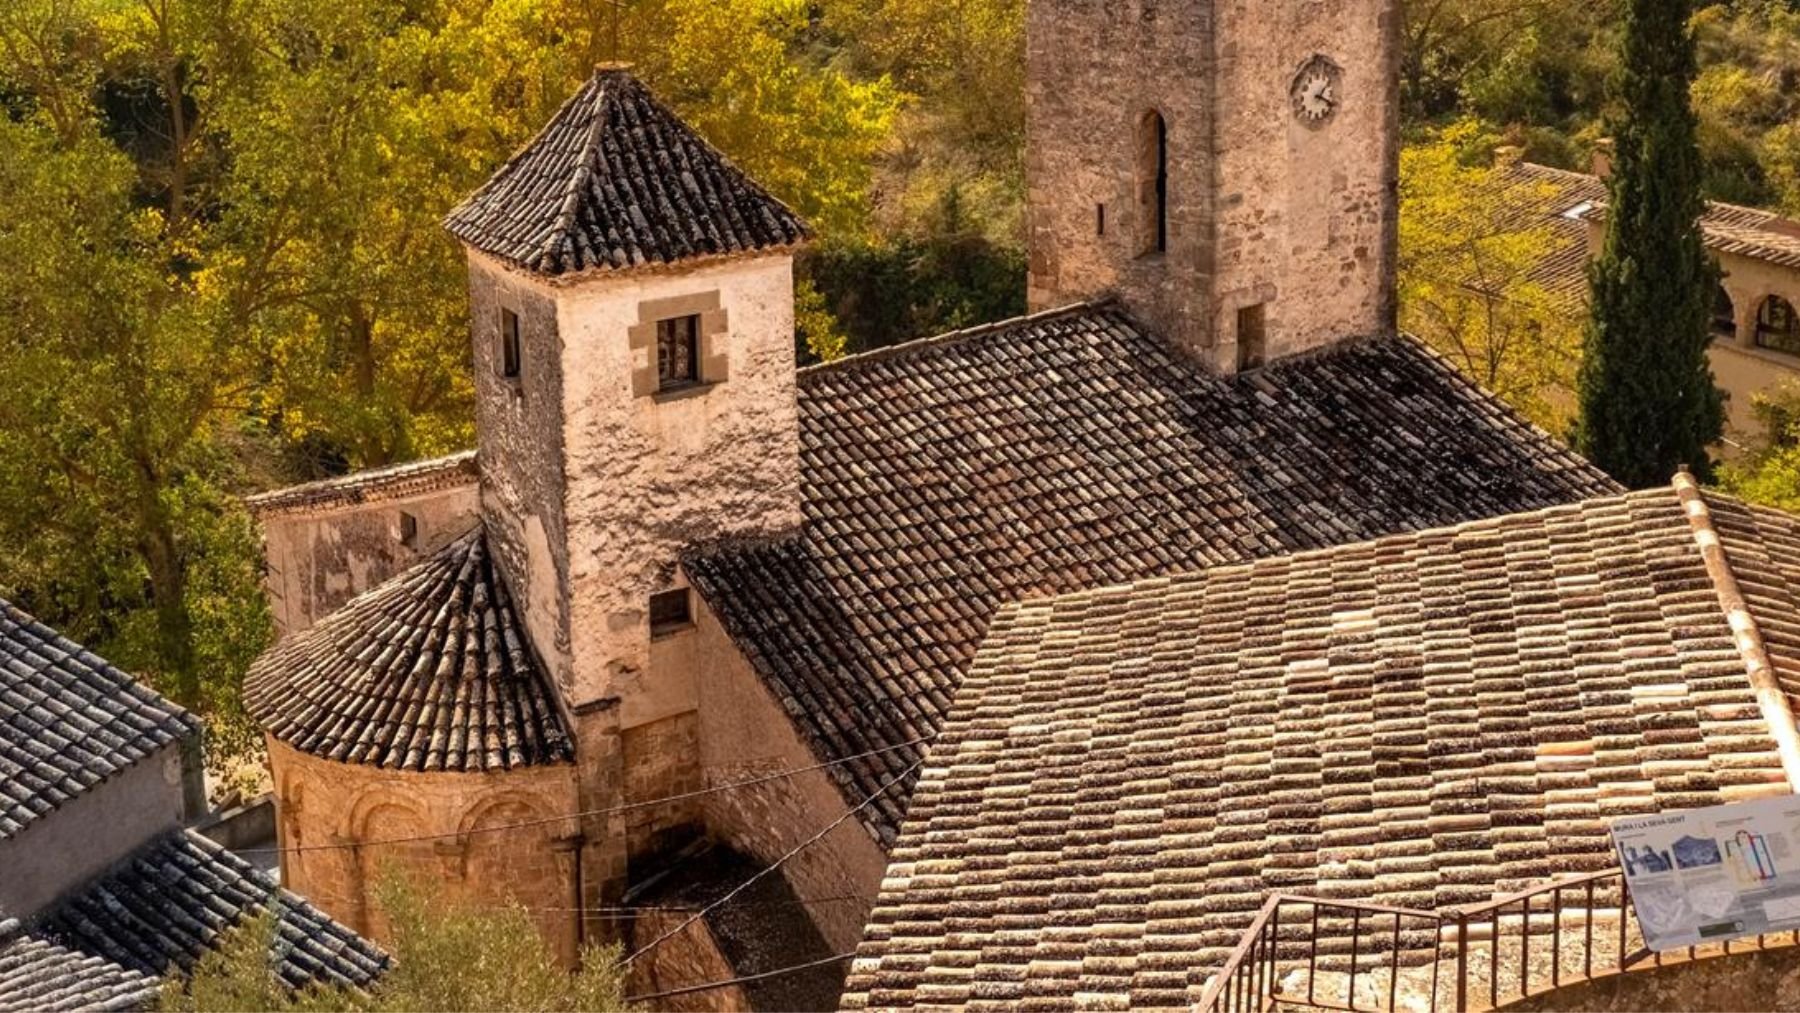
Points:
(1771, 699)
(1579, 175)
(372, 485)
(584, 162)
(714, 209)
(932, 342)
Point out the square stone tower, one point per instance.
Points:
(1228, 169)
(632, 302)
(631, 294)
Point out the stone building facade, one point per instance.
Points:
(1223, 168)
(1756, 331)
(708, 601)
(327, 542)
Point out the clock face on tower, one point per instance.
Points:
(1314, 93)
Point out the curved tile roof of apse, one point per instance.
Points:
(946, 477)
(615, 181)
(1426, 720)
(430, 671)
(69, 720)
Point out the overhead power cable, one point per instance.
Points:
(728, 982)
(795, 850)
(607, 811)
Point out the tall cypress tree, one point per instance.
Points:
(1648, 403)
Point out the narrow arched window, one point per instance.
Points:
(1724, 318)
(1777, 326)
(1153, 183)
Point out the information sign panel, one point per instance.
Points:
(1707, 875)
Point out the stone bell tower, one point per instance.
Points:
(632, 302)
(631, 295)
(1227, 168)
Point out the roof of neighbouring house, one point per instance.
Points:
(37, 975)
(1532, 196)
(108, 945)
(414, 478)
(1424, 720)
(69, 720)
(615, 181)
(431, 671)
(946, 477)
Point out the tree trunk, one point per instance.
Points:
(168, 592)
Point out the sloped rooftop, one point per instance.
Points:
(618, 181)
(414, 478)
(1422, 720)
(946, 477)
(1531, 196)
(109, 945)
(430, 671)
(68, 720)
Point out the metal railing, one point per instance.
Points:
(1358, 957)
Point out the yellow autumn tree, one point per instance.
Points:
(1468, 275)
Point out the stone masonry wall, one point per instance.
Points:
(661, 761)
(319, 802)
(650, 474)
(1095, 69)
(1263, 209)
(317, 561)
(519, 424)
(744, 734)
(1307, 215)
(689, 957)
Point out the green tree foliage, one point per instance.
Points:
(1748, 100)
(223, 265)
(1648, 402)
(1466, 280)
(446, 957)
(124, 368)
(1772, 474)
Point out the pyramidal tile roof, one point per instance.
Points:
(1425, 720)
(430, 671)
(618, 181)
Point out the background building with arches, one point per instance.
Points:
(1756, 330)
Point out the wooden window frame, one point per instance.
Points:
(712, 361)
(680, 334)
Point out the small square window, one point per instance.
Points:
(509, 344)
(677, 352)
(409, 530)
(670, 612)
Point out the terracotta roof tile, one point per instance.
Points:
(172, 901)
(430, 671)
(1386, 735)
(373, 486)
(618, 181)
(949, 476)
(68, 720)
